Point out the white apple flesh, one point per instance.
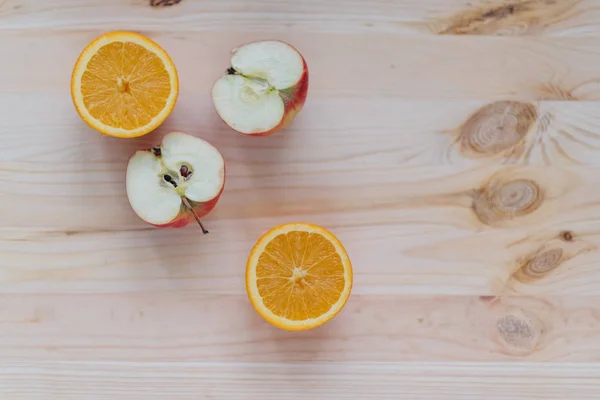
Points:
(264, 89)
(177, 182)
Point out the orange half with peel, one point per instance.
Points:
(298, 276)
(124, 84)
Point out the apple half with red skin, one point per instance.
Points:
(172, 184)
(264, 89)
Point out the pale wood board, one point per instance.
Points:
(451, 299)
(332, 381)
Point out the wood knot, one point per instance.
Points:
(540, 264)
(567, 236)
(163, 3)
(516, 198)
(513, 329)
(550, 256)
(506, 200)
(496, 128)
(516, 17)
(499, 12)
(518, 331)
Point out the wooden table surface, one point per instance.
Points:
(452, 145)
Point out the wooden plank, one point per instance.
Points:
(416, 244)
(185, 326)
(498, 17)
(273, 381)
(329, 135)
(422, 67)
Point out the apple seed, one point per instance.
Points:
(170, 180)
(185, 171)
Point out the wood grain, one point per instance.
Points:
(183, 325)
(428, 17)
(388, 381)
(452, 146)
(423, 232)
(398, 66)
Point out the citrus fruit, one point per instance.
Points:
(298, 276)
(124, 85)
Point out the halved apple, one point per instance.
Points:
(264, 89)
(176, 182)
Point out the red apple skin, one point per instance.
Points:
(294, 98)
(202, 209)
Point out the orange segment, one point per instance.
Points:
(298, 276)
(124, 84)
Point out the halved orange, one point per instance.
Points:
(298, 276)
(124, 84)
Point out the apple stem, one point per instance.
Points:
(231, 71)
(187, 205)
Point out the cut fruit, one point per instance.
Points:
(177, 182)
(298, 276)
(124, 84)
(264, 88)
